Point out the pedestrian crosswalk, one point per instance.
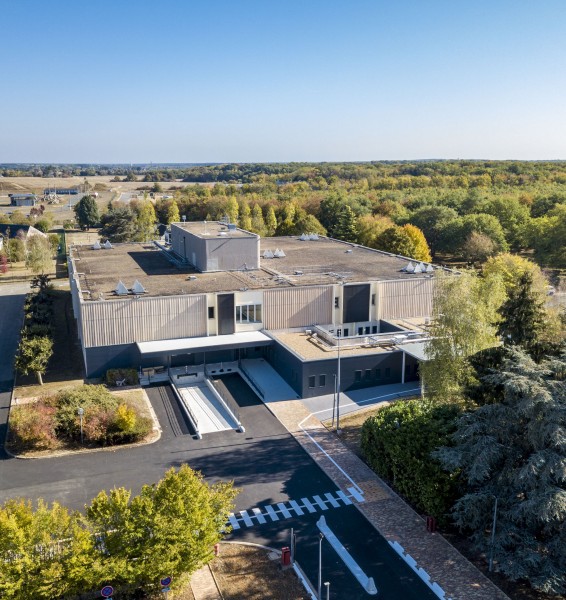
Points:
(294, 508)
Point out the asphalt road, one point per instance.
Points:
(265, 463)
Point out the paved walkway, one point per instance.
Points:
(387, 512)
(204, 586)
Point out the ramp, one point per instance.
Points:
(267, 380)
(203, 405)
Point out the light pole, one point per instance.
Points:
(491, 549)
(339, 331)
(81, 412)
(320, 565)
(327, 586)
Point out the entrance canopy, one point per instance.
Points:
(204, 344)
(416, 350)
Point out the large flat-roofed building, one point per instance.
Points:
(220, 294)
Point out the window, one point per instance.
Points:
(322, 380)
(336, 302)
(378, 373)
(312, 381)
(248, 313)
(367, 330)
(387, 372)
(346, 332)
(374, 329)
(211, 312)
(368, 374)
(360, 331)
(373, 299)
(358, 376)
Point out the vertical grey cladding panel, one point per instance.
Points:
(232, 253)
(297, 307)
(406, 298)
(356, 303)
(143, 320)
(226, 314)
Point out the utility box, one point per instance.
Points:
(285, 556)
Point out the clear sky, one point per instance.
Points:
(281, 80)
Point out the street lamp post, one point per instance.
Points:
(491, 549)
(327, 586)
(338, 387)
(320, 565)
(81, 412)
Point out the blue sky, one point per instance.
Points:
(251, 80)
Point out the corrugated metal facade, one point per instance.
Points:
(297, 307)
(406, 298)
(143, 320)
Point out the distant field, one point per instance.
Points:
(9, 185)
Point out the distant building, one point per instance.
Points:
(60, 191)
(24, 232)
(23, 199)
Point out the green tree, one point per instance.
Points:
(167, 211)
(523, 316)
(145, 222)
(271, 222)
(171, 527)
(406, 241)
(86, 211)
(258, 224)
(232, 209)
(33, 355)
(346, 227)
(432, 220)
(16, 250)
(465, 316)
(119, 224)
(420, 249)
(397, 443)
(514, 451)
(478, 248)
(39, 254)
(245, 221)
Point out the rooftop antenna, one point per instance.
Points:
(205, 231)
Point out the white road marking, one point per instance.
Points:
(258, 515)
(271, 512)
(284, 510)
(296, 507)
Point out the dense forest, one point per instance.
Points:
(467, 210)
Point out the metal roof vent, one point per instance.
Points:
(138, 288)
(279, 253)
(417, 269)
(313, 236)
(410, 268)
(121, 289)
(96, 245)
(268, 254)
(108, 245)
(304, 237)
(429, 269)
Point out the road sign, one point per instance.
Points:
(107, 591)
(166, 581)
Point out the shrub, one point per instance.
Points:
(32, 426)
(125, 418)
(397, 443)
(94, 400)
(114, 375)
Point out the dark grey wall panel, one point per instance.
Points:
(226, 314)
(99, 360)
(387, 327)
(356, 303)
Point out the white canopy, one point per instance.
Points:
(210, 342)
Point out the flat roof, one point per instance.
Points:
(321, 262)
(212, 229)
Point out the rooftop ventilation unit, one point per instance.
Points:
(121, 289)
(349, 251)
(96, 245)
(410, 268)
(279, 253)
(268, 254)
(417, 269)
(191, 277)
(138, 288)
(223, 234)
(313, 236)
(108, 245)
(231, 227)
(304, 237)
(423, 267)
(429, 269)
